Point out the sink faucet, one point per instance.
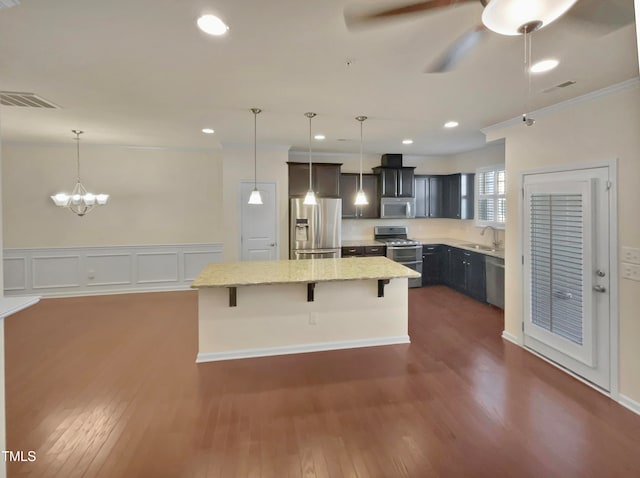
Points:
(496, 241)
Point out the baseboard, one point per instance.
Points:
(629, 403)
(510, 337)
(96, 293)
(299, 349)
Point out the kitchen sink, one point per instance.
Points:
(480, 247)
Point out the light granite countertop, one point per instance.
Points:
(448, 241)
(362, 243)
(234, 274)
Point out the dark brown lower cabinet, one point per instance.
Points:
(459, 269)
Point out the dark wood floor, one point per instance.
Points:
(107, 387)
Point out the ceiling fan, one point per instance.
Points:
(506, 17)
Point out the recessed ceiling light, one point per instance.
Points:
(208, 131)
(544, 65)
(319, 137)
(451, 124)
(407, 141)
(212, 25)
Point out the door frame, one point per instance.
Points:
(277, 219)
(614, 330)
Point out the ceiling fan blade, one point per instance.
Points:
(458, 50)
(604, 17)
(362, 15)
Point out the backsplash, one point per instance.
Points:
(356, 229)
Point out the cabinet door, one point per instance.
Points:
(348, 190)
(458, 270)
(298, 179)
(422, 196)
(388, 182)
(445, 264)
(467, 186)
(431, 265)
(435, 196)
(370, 187)
(475, 280)
(405, 182)
(452, 196)
(326, 179)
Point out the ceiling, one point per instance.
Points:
(140, 73)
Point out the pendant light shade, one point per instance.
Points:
(310, 198)
(255, 197)
(508, 17)
(80, 201)
(361, 197)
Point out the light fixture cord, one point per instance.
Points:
(310, 165)
(255, 150)
(361, 154)
(78, 156)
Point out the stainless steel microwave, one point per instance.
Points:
(398, 207)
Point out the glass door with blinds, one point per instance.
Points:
(566, 264)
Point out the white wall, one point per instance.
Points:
(237, 167)
(603, 128)
(157, 196)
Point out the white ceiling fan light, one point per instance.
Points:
(212, 25)
(510, 17)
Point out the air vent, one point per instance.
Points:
(561, 85)
(8, 3)
(27, 100)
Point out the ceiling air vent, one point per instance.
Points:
(8, 3)
(28, 100)
(561, 85)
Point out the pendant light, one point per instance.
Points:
(80, 201)
(310, 198)
(255, 197)
(361, 197)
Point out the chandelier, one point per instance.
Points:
(80, 201)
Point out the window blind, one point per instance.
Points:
(557, 258)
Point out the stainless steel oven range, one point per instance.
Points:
(401, 249)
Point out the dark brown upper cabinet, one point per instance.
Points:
(325, 179)
(395, 182)
(349, 186)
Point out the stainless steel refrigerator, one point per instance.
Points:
(315, 230)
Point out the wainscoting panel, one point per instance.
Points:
(15, 273)
(157, 267)
(109, 269)
(56, 272)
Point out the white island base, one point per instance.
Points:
(277, 319)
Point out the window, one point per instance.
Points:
(490, 196)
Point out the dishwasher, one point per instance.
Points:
(494, 275)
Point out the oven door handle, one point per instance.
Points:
(394, 248)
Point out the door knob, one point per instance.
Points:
(600, 273)
(599, 288)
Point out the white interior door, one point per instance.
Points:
(566, 270)
(258, 223)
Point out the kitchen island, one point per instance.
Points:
(254, 309)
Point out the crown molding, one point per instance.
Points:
(563, 105)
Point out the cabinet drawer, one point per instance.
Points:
(375, 250)
(352, 251)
